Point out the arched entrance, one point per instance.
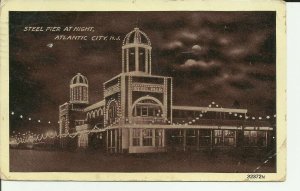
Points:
(148, 110)
(112, 112)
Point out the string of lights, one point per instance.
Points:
(29, 137)
(235, 115)
(24, 117)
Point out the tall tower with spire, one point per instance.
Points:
(136, 98)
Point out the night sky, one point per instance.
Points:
(226, 57)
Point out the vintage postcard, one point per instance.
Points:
(143, 90)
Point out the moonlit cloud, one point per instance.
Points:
(173, 45)
(190, 63)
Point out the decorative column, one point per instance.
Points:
(141, 137)
(211, 140)
(130, 137)
(197, 141)
(123, 96)
(266, 139)
(123, 63)
(235, 138)
(150, 67)
(127, 60)
(243, 138)
(120, 140)
(184, 139)
(165, 101)
(163, 138)
(136, 58)
(107, 140)
(111, 140)
(153, 137)
(116, 140)
(146, 61)
(129, 99)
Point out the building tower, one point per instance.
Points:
(79, 90)
(137, 102)
(136, 52)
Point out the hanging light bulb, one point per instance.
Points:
(268, 117)
(21, 116)
(12, 113)
(39, 121)
(29, 119)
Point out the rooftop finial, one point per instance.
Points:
(137, 24)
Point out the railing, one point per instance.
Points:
(79, 122)
(148, 120)
(223, 122)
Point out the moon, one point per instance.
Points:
(50, 45)
(196, 48)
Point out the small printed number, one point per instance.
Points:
(256, 176)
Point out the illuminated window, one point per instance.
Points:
(229, 137)
(255, 138)
(83, 141)
(204, 138)
(136, 137)
(144, 111)
(191, 137)
(224, 137)
(112, 112)
(147, 108)
(218, 137)
(141, 59)
(147, 137)
(131, 59)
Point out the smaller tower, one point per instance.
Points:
(79, 90)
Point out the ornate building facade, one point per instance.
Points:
(137, 114)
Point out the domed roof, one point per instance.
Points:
(136, 37)
(79, 79)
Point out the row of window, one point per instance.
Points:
(79, 93)
(218, 138)
(94, 114)
(149, 137)
(144, 137)
(147, 108)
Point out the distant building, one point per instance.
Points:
(137, 114)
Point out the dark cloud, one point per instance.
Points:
(212, 56)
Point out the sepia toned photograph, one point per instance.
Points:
(143, 92)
